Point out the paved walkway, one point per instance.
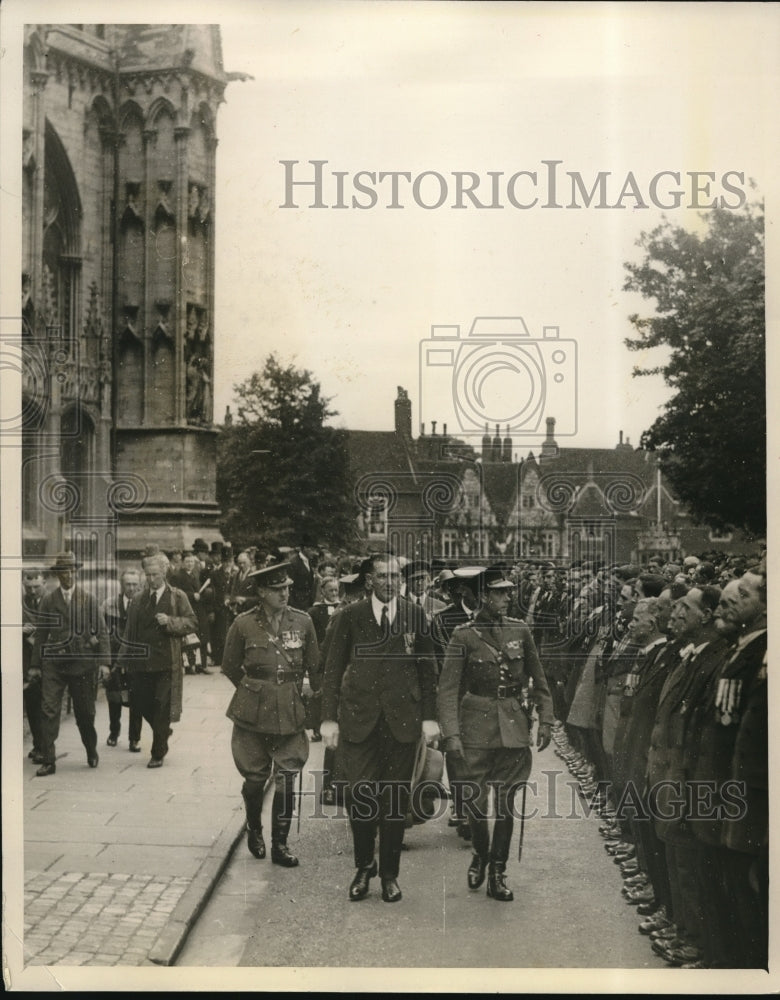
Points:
(120, 860)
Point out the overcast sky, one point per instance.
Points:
(350, 293)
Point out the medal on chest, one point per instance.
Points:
(292, 639)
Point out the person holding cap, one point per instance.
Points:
(490, 681)
(378, 699)
(268, 651)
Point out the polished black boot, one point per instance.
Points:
(280, 827)
(496, 886)
(253, 803)
(499, 853)
(480, 841)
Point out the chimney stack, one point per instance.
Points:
(403, 414)
(550, 447)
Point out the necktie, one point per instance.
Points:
(385, 620)
(154, 601)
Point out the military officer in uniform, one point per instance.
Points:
(489, 682)
(268, 651)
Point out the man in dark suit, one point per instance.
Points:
(242, 594)
(69, 650)
(221, 580)
(379, 698)
(190, 579)
(731, 744)
(32, 583)
(157, 619)
(417, 575)
(320, 614)
(303, 591)
(115, 612)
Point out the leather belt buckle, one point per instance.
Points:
(280, 675)
(501, 691)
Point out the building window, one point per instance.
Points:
(480, 543)
(377, 521)
(529, 500)
(548, 544)
(449, 544)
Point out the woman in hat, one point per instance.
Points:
(490, 682)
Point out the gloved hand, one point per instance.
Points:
(544, 735)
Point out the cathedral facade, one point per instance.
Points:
(119, 144)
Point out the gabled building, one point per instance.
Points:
(437, 498)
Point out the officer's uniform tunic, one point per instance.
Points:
(267, 710)
(498, 667)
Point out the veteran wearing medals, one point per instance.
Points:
(268, 651)
(490, 680)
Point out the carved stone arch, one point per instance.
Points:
(35, 51)
(160, 106)
(130, 111)
(64, 208)
(59, 301)
(101, 114)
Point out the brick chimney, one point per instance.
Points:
(549, 446)
(403, 415)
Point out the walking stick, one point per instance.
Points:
(522, 824)
(300, 796)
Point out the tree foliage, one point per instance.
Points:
(282, 475)
(709, 314)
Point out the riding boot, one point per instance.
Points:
(499, 853)
(496, 885)
(480, 841)
(253, 803)
(281, 818)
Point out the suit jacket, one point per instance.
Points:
(674, 740)
(431, 605)
(115, 613)
(637, 713)
(30, 616)
(716, 740)
(303, 592)
(190, 584)
(242, 593)
(182, 621)
(75, 638)
(750, 764)
(473, 662)
(368, 673)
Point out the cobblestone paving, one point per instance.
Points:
(96, 919)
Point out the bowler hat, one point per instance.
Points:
(65, 561)
(199, 545)
(271, 576)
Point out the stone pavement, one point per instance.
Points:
(120, 860)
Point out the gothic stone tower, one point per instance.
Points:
(118, 284)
